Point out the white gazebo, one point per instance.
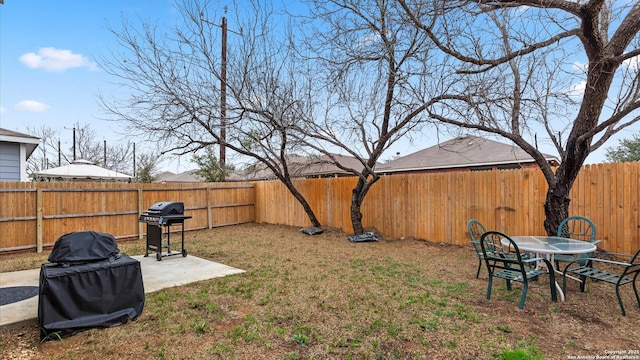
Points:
(81, 170)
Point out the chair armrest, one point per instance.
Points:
(533, 260)
(605, 261)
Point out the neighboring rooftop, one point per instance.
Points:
(466, 151)
(302, 167)
(31, 142)
(188, 176)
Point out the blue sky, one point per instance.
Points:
(49, 76)
(48, 73)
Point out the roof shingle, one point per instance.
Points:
(463, 151)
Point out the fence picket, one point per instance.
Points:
(431, 206)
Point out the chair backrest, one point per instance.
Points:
(475, 229)
(577, 227)
(497, 246)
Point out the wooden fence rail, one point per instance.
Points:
(434, 207)
(34, 215)
(437, 206)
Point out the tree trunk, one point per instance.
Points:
(556, 208)
(356, 215)
(357, 198)
(556, 205)
(305, 205)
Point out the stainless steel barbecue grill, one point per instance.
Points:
(160, 216)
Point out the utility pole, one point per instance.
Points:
(74, 143)
(105, 154)
(134, 159)
(223, 94)
(223, 86)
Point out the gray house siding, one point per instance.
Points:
(9, 162)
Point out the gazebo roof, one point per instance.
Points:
(81, 170)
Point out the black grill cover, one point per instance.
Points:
(97, 294)
(82, 247)
(167, 208)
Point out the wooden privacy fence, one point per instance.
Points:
(437, 206)
(434, 207)
(34, 215)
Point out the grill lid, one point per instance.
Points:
(167, 208)
(83, 246)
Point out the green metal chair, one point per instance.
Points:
(475, 229)
(504, 260)
(628, 274)
(580, 228)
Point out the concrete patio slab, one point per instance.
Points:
(156, 275)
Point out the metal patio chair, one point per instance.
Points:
(580, 228)
(504, 260)
(476, 229)
(628, 273)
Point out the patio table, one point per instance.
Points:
(551, 245)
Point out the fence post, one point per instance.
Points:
(39, 220)
(208, 199)
(140, 204)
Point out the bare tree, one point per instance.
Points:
(86, 145)
(564, 72)
(173, 82)
(373, 62)
(113, 156)
(45, 154)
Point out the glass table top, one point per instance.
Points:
(553, 245)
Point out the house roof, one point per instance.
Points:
(162, 175)
(323, 165)
(11, 136)
(183, 177)
(459, 152)
(302, 166)
(81, 170)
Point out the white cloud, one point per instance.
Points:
(52, 59)
(31, 105)
(1, 109)
(577, 89)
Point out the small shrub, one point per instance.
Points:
(301, 339)
(201, 327)
(504, 328)
(57, 335)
